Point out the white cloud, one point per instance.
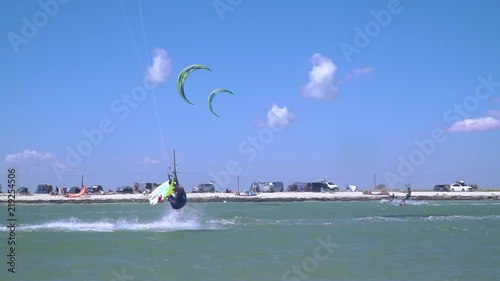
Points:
(357, 72)
(161, 68)
(28, 155)
(362, 71)
(475, 125)
(33, 163)
(149, 161)
(322, 83)
(278, 117)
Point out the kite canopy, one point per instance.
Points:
(181, 79)
(212, 96)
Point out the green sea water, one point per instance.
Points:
(440, 240)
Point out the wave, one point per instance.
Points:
(172, 221)
(427, 218)
(465, 202)
(462, 217)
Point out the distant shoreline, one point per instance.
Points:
(261, 197)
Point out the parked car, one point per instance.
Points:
(74, 189)
(125, 189)
(460, 186)
(316, 186)
(330, 186)
(442, 187)
(43, 189)
(150, 186)
(204, 187)
(95, 189)
(23, 190)
(297, 186)
(274, 186)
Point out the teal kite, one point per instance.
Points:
(212, 96)
(181, 79)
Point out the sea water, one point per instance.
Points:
(440, 240)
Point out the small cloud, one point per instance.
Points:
(278, 117)
(149, 161)
(475, 125)
(322, 83)
(33, 162)
(28, 155)
(362, 71)
(357, 72)
(161, 68)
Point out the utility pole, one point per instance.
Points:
(374, 181)
(81, 185)
(238, 184)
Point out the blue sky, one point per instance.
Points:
(318, 101)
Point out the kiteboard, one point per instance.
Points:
(396, 202)
(163, 188)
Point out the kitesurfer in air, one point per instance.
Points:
(408, 195)
(178, 199)
(175, 194)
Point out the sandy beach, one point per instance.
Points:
(261, 197)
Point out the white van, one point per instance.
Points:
(274, 186)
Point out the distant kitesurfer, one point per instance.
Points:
(408, 195)
(392, 198)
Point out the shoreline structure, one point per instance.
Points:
(261, 197)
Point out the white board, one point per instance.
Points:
(161, 189)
